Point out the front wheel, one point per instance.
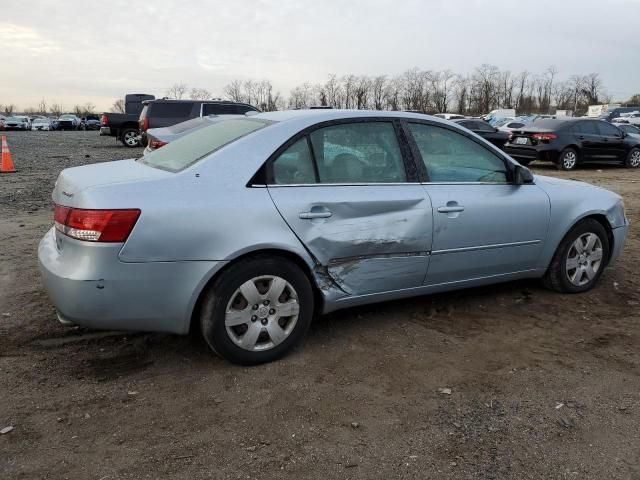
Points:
(568, 159)
(633, 159)
(130, 138)
(257, 310)
(580, 258)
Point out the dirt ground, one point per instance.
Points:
(542, 385)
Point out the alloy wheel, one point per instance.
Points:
(634, 161)
(569, 160)
(131, 139)
(584, 259)
(262, 313)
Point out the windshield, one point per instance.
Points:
(187, 150)
(15, 119)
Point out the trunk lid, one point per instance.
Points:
(73, 183)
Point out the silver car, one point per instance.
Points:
(248, 227)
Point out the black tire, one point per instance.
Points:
(633, 159)
(224, 289)
(127, 136)
(564, 159)
(556, 278)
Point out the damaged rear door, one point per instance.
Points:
(345, 190)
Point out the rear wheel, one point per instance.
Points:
(130, 138)
(580, 258)
(633, 159)
(257, 310)
(568, 159)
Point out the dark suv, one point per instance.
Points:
(165, 113)
(570, 142)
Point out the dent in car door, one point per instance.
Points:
(359, 216)
(369, 238)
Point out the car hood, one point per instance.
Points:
(73, 184)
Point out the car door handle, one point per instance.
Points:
(312, 215)
(581, 137)
(451, 209)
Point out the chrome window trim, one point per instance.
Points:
(388, 184)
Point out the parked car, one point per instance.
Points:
(68, 121)
(248, 227)
(3, 119)
(90, 122)
(159, 137)
(632, 118)
(510, 125)
(124, 126)
(164, 113)
(496, 115)
(17, 122)
(53, 123)
(486, 131)
(630, 129)
(449, 116)
(571, 142)
(609, 115)
(41, 123)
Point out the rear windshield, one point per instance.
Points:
(187, 150)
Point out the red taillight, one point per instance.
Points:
(104, 120)
(544, 136)
(145, 124)
(153, 144)
(95, 225)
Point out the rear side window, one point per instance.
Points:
(186, 151)
(166, 110)
(364, 152)
(225, 109)
(483, 127)
(452, 157)
(589, 128)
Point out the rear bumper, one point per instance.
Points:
(105, 131)
(90, 286)
(545, 153)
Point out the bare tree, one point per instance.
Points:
(56, 109)
(177, 91)
(119, 106)
(42, 107)
(9, 108)
(592, 88)
(200, 94)
(233, 91)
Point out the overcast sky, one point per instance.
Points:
(81, 51)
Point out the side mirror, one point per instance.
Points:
(522, 175)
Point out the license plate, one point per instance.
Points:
(522, 140)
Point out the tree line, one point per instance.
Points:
(485, 89)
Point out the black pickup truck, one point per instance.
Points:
(124, 126)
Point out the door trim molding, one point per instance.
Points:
(485, 247)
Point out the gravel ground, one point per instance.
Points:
(541, 385)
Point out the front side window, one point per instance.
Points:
(363, 152)
(452, 157)
(608, 129)
(187, 150)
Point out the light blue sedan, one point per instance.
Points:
(247, 228)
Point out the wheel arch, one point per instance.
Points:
(599, 217)
(305, 264)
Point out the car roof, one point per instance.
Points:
(317, 115)
(170, 100)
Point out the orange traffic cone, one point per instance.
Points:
(7, 163)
